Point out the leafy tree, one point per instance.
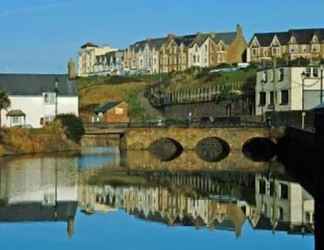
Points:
(72, 125)
(4, 102)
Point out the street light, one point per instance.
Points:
(321, 93)
(304, 75)
(56, 83)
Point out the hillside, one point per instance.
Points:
(97, 90)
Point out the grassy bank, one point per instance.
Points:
(18, 141)
(94, 91)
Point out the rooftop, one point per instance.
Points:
(37, 84)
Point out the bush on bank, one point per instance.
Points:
(52, 138)
(72, 125)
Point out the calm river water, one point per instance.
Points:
(97, 200)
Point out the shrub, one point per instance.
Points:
(73, 126)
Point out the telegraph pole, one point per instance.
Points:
(321, 69)
(274, 78)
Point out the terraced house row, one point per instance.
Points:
(166, 54)
(178, 53)
(289, 45)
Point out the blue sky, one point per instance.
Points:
(39, 36)
(123, 232)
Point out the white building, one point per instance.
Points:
(36, 99)
(287, 93)
(283, 202)
(111, 63)
(88, 58)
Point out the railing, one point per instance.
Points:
(159, 98)
(203, 122)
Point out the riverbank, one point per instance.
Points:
(21, 141)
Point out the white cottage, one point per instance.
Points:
(37, 98)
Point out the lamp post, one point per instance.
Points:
(321, 93)
(263, 81)
(303, 75)
(56, 95)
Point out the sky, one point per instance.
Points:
(118, 230)
(40, 36)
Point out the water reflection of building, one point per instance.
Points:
(283, 206)
(162, 205)
(209, 202)
(39, 190)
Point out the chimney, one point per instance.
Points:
(239, 29)
(72, 69)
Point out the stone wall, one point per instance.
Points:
(207, 109)
(101, 140)
(142, 138)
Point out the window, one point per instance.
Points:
(281, 213)
(271, 98)
(308, 217)
(281, 75)
(262, 187)
(308, 72)
(284, 97)
(272, 188)
(265, 77)
(49, 98)
(284, 191)
(15, 119)
(262, 99)
(315, 72)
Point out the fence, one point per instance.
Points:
(203, 122)
(159, 98)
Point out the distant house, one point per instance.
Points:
(112, 112)
(92, 55)
(289, 45)
(37, 98)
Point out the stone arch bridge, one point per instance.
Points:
(142, 138)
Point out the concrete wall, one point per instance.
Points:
(142, 138)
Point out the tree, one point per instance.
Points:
(72, 125)
(4, 103)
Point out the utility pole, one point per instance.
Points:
(274, 79)
(321, 93)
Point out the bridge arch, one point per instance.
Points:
(166, 149)
(259, 149)
(212, 149)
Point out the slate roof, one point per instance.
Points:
(187, 40)
(153, 43)
(303, 36)
(106, 106)
(89, 44)
(36, 212)
(36, 84)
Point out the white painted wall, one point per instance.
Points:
(35, 108)
(292, 82)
